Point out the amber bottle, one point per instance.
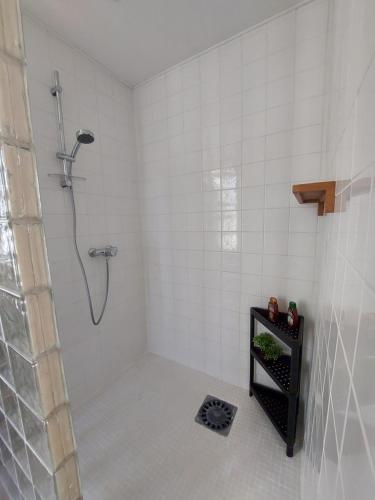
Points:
(273, 309)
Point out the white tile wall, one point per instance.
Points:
(340, 436)
(107, 207)
(221, 139)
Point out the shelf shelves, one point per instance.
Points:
(322, 193)
(275, 405)
(278, 370)
(281, 406)
(290, 336)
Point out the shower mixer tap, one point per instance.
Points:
(108, 251)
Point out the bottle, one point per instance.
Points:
(273, 309)
(292, 315)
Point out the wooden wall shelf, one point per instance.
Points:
(322, 193)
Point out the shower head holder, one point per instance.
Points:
(66, 157)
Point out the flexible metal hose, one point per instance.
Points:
(92, 314)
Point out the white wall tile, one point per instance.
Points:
(312, 21)
(276, 219)
(310, 53)
(254, 125)
(254, 100)
(277, 195)
(254, 45)
(255, 74)
(280, 92)
(241, 116)
(107, 208)
(280, 64)
(281, 32)
(344, 293)
(253, 174)
(254, 150)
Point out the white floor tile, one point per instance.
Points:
(138, 440)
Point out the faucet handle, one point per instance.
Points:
(108, 251)
(111, 251)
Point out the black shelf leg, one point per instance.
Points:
(252, 333)
(292, 420)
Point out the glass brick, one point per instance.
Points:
(29, 247)
(6, 116)
(51, 382)
(36, 434)
(50, 439)
(14, 120)
(2, 31)
(13, 320)
(10, 485)
(4, 429)
(27, 242)
(11, 39)
(19, 449)
(7, 460)
(41, 321)
(8, 273)
(3, 200)
(43, 481)
(24, 374)
(10, 405)
(28, 324)
(5, 369)
(60, 435)
(21, 129)
(25, 485)
(20, 180)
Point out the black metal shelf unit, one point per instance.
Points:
(281, 406)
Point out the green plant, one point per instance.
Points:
(268, 345)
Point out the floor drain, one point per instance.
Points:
(217, 415)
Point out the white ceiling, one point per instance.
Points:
(137, 39)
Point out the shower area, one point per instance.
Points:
(83, 130)
(168, 213)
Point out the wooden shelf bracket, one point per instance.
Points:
(322, 193)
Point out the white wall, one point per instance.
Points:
(340, 435)
(221, 139)
(107, 208)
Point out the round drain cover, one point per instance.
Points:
(216, 414)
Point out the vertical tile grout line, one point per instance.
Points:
(265, 141)
(291, 161)
(221, 149)
(240, 208)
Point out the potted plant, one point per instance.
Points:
(269, 347)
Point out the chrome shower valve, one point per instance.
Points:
(108, 251)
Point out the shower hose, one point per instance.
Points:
(92, 314)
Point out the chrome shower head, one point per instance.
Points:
(83, 137)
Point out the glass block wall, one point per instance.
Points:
(37, 448)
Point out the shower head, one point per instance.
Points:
(83, 137)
